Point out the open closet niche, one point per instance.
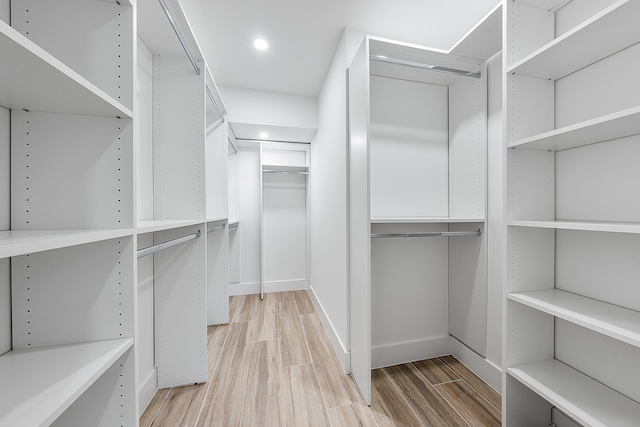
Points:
(67, 245)
(418, 138)
(182, 215)
(572, 306)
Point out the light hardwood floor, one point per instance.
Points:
(273, 365)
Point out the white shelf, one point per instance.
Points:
(285, 168)
(585, 400)
(609, 227)
(216, 218)
(36, 81)
(613, 321)
(14, 243)
(567, 53)
(150, 226)
(612, 126)
(40, 384)
(424, 220)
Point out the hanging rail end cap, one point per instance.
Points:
(198, 233)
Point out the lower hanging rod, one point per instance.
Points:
(422, 66)
(426, 234)
(219, 227)
(155, 248)
(286, 172)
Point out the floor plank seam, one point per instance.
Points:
(452, 407)
(404, 398)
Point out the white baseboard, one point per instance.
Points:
(490, 373)
(147, 389)
(399, 353)
(273, 286)
(344, 356)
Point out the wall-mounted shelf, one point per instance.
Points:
(14, 243)
(613, 321)
(424, 220)
(611, 126)
(610, 227)
(150, 226)
(283, 169)
(582, 398)
(569, 52)
(40, 384)
(35, 80)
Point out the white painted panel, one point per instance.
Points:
(145, 348)
(529, 28)
(81, 293)
(216, 170)
(607, 360)
(602, 266)
(5, 11)
(530, 107)
(524, 408)
(5, 306)
(232, 162)
(468, 148)
(575, 13)
(409, 148)
(605, 87)
(179, 123)
(599, 182)
(284, 227)
(5, 168)
(530, 185)
(530, 265)
(283, 156)
(468, 287)
(409, 286)
(359, 222)
(143, 117)
(234, 256)
(249, 208)
(217, 274)
(70, 171)
(99, 46)
(529, 334)
(181, 309)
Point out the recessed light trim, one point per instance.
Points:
(260, 44)
(264, 135)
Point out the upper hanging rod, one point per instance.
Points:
(420, 65)
(155, 248)
(219, 227)
(286, 172)
(427, 234)
(214, 104)
(233, 227)
(179, 35)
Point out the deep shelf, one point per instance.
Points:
(616, 322)
(567, 54)
(424, 220)
(150, 226)
(610, 227)
(36, 81)
(39, 384)
(587, 401)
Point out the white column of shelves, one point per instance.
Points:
(234, 215)
(70, 241)
(572, 103)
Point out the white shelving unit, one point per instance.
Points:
(417, 166)
(573, 103)
(70, 243)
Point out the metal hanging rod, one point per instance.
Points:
(235, 149)
(233, 227)
(179, 35)
(214, 104)
(219, 227)
(426, 234)
(422, 66)
(286, 172)
(155, 248)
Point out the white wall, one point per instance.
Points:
(144, 132)
(5, 224)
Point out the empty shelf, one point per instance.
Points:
(613, 321)
(39, 384)
(424, 220)
(610, 227)
(149, 226)
(580, 397)
(567, 53)
(34, 80)
(14, 243)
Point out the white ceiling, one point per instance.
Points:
(304, 34)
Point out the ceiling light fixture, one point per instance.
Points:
(264, 135)
(260, 44)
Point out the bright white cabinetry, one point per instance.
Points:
(70, 241)
(572, 318)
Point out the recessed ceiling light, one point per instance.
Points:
(260, 44)
(264, 135)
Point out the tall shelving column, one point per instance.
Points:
(572, 316)
(71, 239)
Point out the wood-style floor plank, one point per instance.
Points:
(302, 398)
(181, 407)
(154, 406)
(267, 316)
(338, 388)
(388, 406)
(246, 308)
(470, 404)
(262, 403)
(430, 408)
(293, 347)
(303, 302)
(223, 404)
(216, 336)
(436, 371)
(474, 381)
(354, 415)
